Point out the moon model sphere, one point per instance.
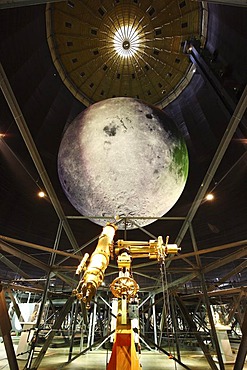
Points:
(120, 158)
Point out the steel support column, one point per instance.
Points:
(242, 351)
(206, 301)
(5, 326)
(66, 308)
(212, 325)
(175, 326)
(74, 314)
(44, 298)
(197, 334)
(15, 304)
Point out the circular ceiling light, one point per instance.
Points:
(126, 41)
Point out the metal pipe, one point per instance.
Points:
(27, 137)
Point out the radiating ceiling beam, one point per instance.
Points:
(4, 4)
(27, 137)
(225, 141)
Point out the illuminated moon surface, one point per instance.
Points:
(122, 157)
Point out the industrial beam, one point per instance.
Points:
(33, 261)
(66, 308)
(13, 267)
(199, 339)
(211, 322)
(242, 351)
(180, 281)
(23, 256)
(5, 327)
(25, 288)
(219, 292)
(210, 267)
(15, 304)
(67, 279)
(45, 294)
(206, 301)
(241, 243)
(30, 144)
(235, 308)
(225, 141)
(231, 273)
(146, 276)
(224, 261)
(39, 247)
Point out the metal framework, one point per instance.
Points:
(151, 294)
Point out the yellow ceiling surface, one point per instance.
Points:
(132, 48)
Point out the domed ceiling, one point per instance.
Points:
(104, 49)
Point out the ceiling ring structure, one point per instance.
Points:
(131, 48)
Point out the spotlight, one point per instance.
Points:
(41, 194)
(209, 196)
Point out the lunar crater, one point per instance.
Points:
(110, 130)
